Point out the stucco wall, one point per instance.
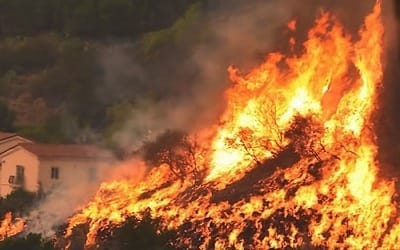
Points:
(72, 172)
(8, 167)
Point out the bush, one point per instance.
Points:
(18, 201)
(137, 234)
(29, 242)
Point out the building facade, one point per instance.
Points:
(39, 167)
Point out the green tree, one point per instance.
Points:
(117, 115)
(7, 118)
(29, 54)
(54, 130)
(116, 17)
(82, 100)
(176, 149)
(137, 233)
(6, 82)
(88, 18)
(36, 53)
(73, 81)
(18, 201)
(154, 42)
(84, 19)
(15, 20)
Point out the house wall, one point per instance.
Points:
(72, 172)
(23, 158)
(11, 142)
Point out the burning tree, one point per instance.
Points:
(298, 172)
(305, 135)
(273, 142)
(179, 151)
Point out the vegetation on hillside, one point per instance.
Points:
(88, 18)
(18, 202)
(59, 81)
(28, 242)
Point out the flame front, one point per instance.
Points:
(293, 164)
(10, 227)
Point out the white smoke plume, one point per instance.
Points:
(64, 201)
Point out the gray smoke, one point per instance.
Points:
(239, 33)
(64, 201)
(388, 116)
(54, 210)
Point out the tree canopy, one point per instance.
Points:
(57, 82)
(88, 18)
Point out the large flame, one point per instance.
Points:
(297, 132)
(10, 227)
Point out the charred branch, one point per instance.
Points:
(179, 151)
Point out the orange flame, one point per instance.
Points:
(317, 106)
(10, 227)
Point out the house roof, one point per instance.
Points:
(66, 150)
(6, 135)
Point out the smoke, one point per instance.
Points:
(65, 200)
(57, 206)
(120, 71)
(388, 115)
(190, 80)
(123, 171)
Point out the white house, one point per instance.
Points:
(41, 167)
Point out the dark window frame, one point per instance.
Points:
(54, 173)
(19, 175)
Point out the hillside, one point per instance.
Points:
(65, 66)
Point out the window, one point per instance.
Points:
(55, 173)
(20, 175)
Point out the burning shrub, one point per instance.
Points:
(305, 134)
(178, 150)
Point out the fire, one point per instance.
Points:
(293, 163)
(10, 227)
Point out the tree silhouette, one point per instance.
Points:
(176, 149)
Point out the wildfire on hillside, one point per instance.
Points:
(292, 163)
